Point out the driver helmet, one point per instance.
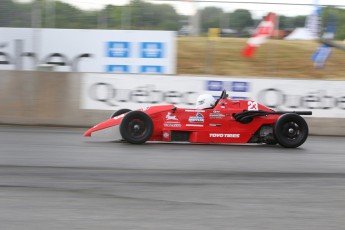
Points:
(205, 101)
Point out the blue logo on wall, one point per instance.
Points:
(239, 86)
(215, 85)
(239, 98)
(151, 49)
(117, 69)
(118, 49)
(151, 69)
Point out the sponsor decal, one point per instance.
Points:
(169, 117)
(215, 85)
(253, 106)
(112, 95)
(215, 125)
(148, 69)
(238, 89)
(174, 125)
(166, 135)
(17, 59)
(277, 98)
(117, 68)
(239, 86)
(239, 98)
(117, 49)
(152, 49)
(232, 86)
(216, 115)
(225, 135)
(198, 118)
(194, 125)
(194, 111)
(171, 121)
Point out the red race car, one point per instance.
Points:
(221, 121)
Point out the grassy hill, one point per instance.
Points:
(275, 58)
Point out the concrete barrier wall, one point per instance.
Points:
(44, 98)
(53, 98)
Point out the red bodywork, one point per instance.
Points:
(216, 125)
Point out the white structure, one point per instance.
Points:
(76, 50)
(301, 33)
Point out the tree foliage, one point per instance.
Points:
(141, 15)
(210, 18)
(241, 19)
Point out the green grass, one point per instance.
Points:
(275, 58)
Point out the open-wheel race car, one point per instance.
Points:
(225, 121)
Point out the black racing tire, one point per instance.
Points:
(290, 130)
(136, 127)
(120, 112)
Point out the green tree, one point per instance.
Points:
(168, 19)
(7, 13)
(210, 18)
(299, 21)
(286, 22)
(116, 16)
(338, 15)
(240, 19)
(153, 16)
(68, 16)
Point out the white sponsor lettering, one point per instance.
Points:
(168, 117)
(194, 111)
(216, 115)
(172, 125)
(197, 118)
(225, 135)
(194, 125)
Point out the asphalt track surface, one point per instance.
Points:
(53, 178)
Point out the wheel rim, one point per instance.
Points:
(291, 130)
(136, 128)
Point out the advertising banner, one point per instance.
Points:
(75, 50)
(323, 98)
(112, 92)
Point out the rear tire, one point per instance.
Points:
(290, 130)
(119, 112)
(136, 127)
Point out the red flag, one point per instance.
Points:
(264, 31)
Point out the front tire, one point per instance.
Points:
(136, 127)
(290, 130)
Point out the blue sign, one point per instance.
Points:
(151, 69)
(239, 98)
(117, 69)
(118, 49)
(215, 85)
(239, 86)
(151, 50)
